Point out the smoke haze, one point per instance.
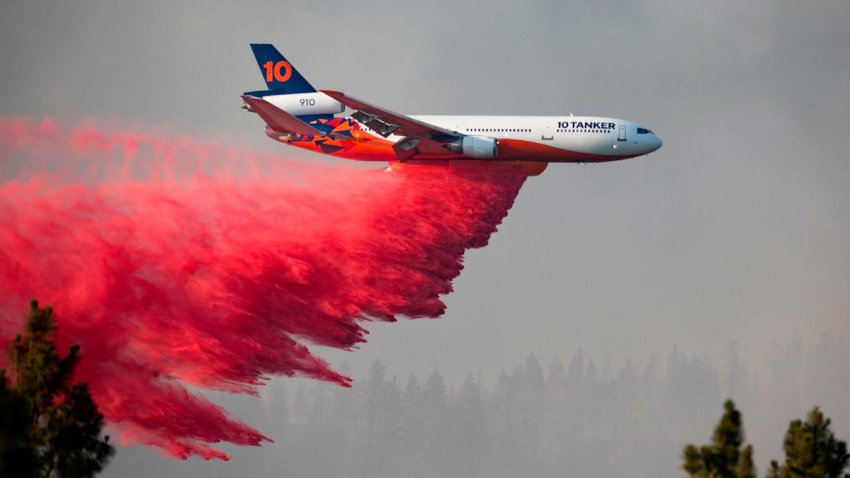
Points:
(736, 230)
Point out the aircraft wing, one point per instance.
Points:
(278, 119)
(386, 122)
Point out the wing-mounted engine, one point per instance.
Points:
(475, 147)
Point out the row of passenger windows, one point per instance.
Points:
(584, 131)
(499, 130)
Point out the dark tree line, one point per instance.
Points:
(574, 420)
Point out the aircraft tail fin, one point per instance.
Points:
(277, 72)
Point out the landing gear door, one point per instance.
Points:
(622, 135)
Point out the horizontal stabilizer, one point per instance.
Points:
(278, 119)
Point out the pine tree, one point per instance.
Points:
(60, 420)
(17, 452)
(723, 458)
(775, 471)
(812, 451)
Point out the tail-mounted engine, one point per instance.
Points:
(303, 104)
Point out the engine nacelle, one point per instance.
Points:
(476, 147)
(301, 104)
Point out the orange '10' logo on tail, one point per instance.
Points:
(274, 71)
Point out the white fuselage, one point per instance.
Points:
(582, 135)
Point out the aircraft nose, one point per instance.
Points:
(656, 143)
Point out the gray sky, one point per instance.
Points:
(737, 229)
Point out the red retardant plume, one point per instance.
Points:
(178, 262)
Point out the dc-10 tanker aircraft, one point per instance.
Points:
(296, 113)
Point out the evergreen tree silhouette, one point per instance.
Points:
(59, 420)
(723, 458)
(811, 450)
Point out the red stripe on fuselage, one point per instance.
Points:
(519, 150)
(365, 147)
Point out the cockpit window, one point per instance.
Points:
(644, 131)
